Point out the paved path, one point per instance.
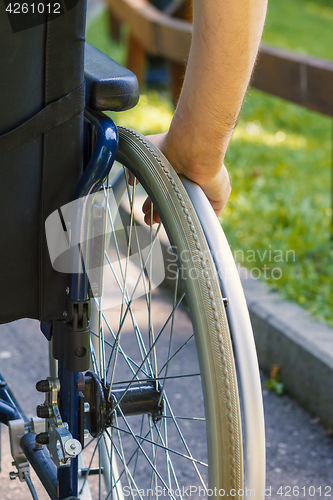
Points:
(299, 450)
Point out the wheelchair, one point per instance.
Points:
(142, 398)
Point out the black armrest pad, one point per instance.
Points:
(109, 86)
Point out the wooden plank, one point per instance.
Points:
(183, 11)
(140, 17)
(300, 79)
(158, 33)
(136, 59)
(115, 27)
(304, 80)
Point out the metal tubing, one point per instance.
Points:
(41, 462)
(9, 407)
(69, 402)
(96, 172)
(8, 412)
(31, 487)
(92, 179)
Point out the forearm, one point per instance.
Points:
(225, 42)
(226, 37)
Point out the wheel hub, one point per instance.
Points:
(98, 404)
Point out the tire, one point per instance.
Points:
(187, 334)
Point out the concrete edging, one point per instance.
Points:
(287, 335)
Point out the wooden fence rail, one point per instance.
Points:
(300, 79)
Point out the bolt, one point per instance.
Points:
(64, 314)
(73, 446)
(86, 407)
(43, 411)
(67, 290)
(43, 386)
(42, 438)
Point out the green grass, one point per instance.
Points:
(304, 26)
(279, 212)
(278, 217)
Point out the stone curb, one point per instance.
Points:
(287, 335)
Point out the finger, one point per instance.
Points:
(146, 206)
(131, 178)
(146, 209)
(156, 218)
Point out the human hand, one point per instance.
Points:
(212, 178)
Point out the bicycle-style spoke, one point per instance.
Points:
(194, 462)
(125, 299)
(136, 439)
(150, 318)
(175, 353)
(178, 417)
(170, 450)
(138, 279)
(90, 464)
(127, 472)
(148, 353)
(127, 359)
(171, 336)
(154, 379)
(169, 463)
(124, 287)
(140, 342)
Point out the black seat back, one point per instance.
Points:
(41, 124)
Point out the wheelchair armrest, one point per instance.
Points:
(109, 86)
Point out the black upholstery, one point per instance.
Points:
(39, 65)
(109, 86)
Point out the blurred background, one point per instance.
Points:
(279, 216)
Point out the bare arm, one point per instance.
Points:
(225, 42)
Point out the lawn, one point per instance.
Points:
(278, 217)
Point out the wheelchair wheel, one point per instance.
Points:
(161, 347)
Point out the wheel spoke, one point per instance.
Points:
(194, 462)
(171, 336)
(142, 450)
(170, 450)
(140, 341)
(127, 472)
(149, 351)
(176, 352)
